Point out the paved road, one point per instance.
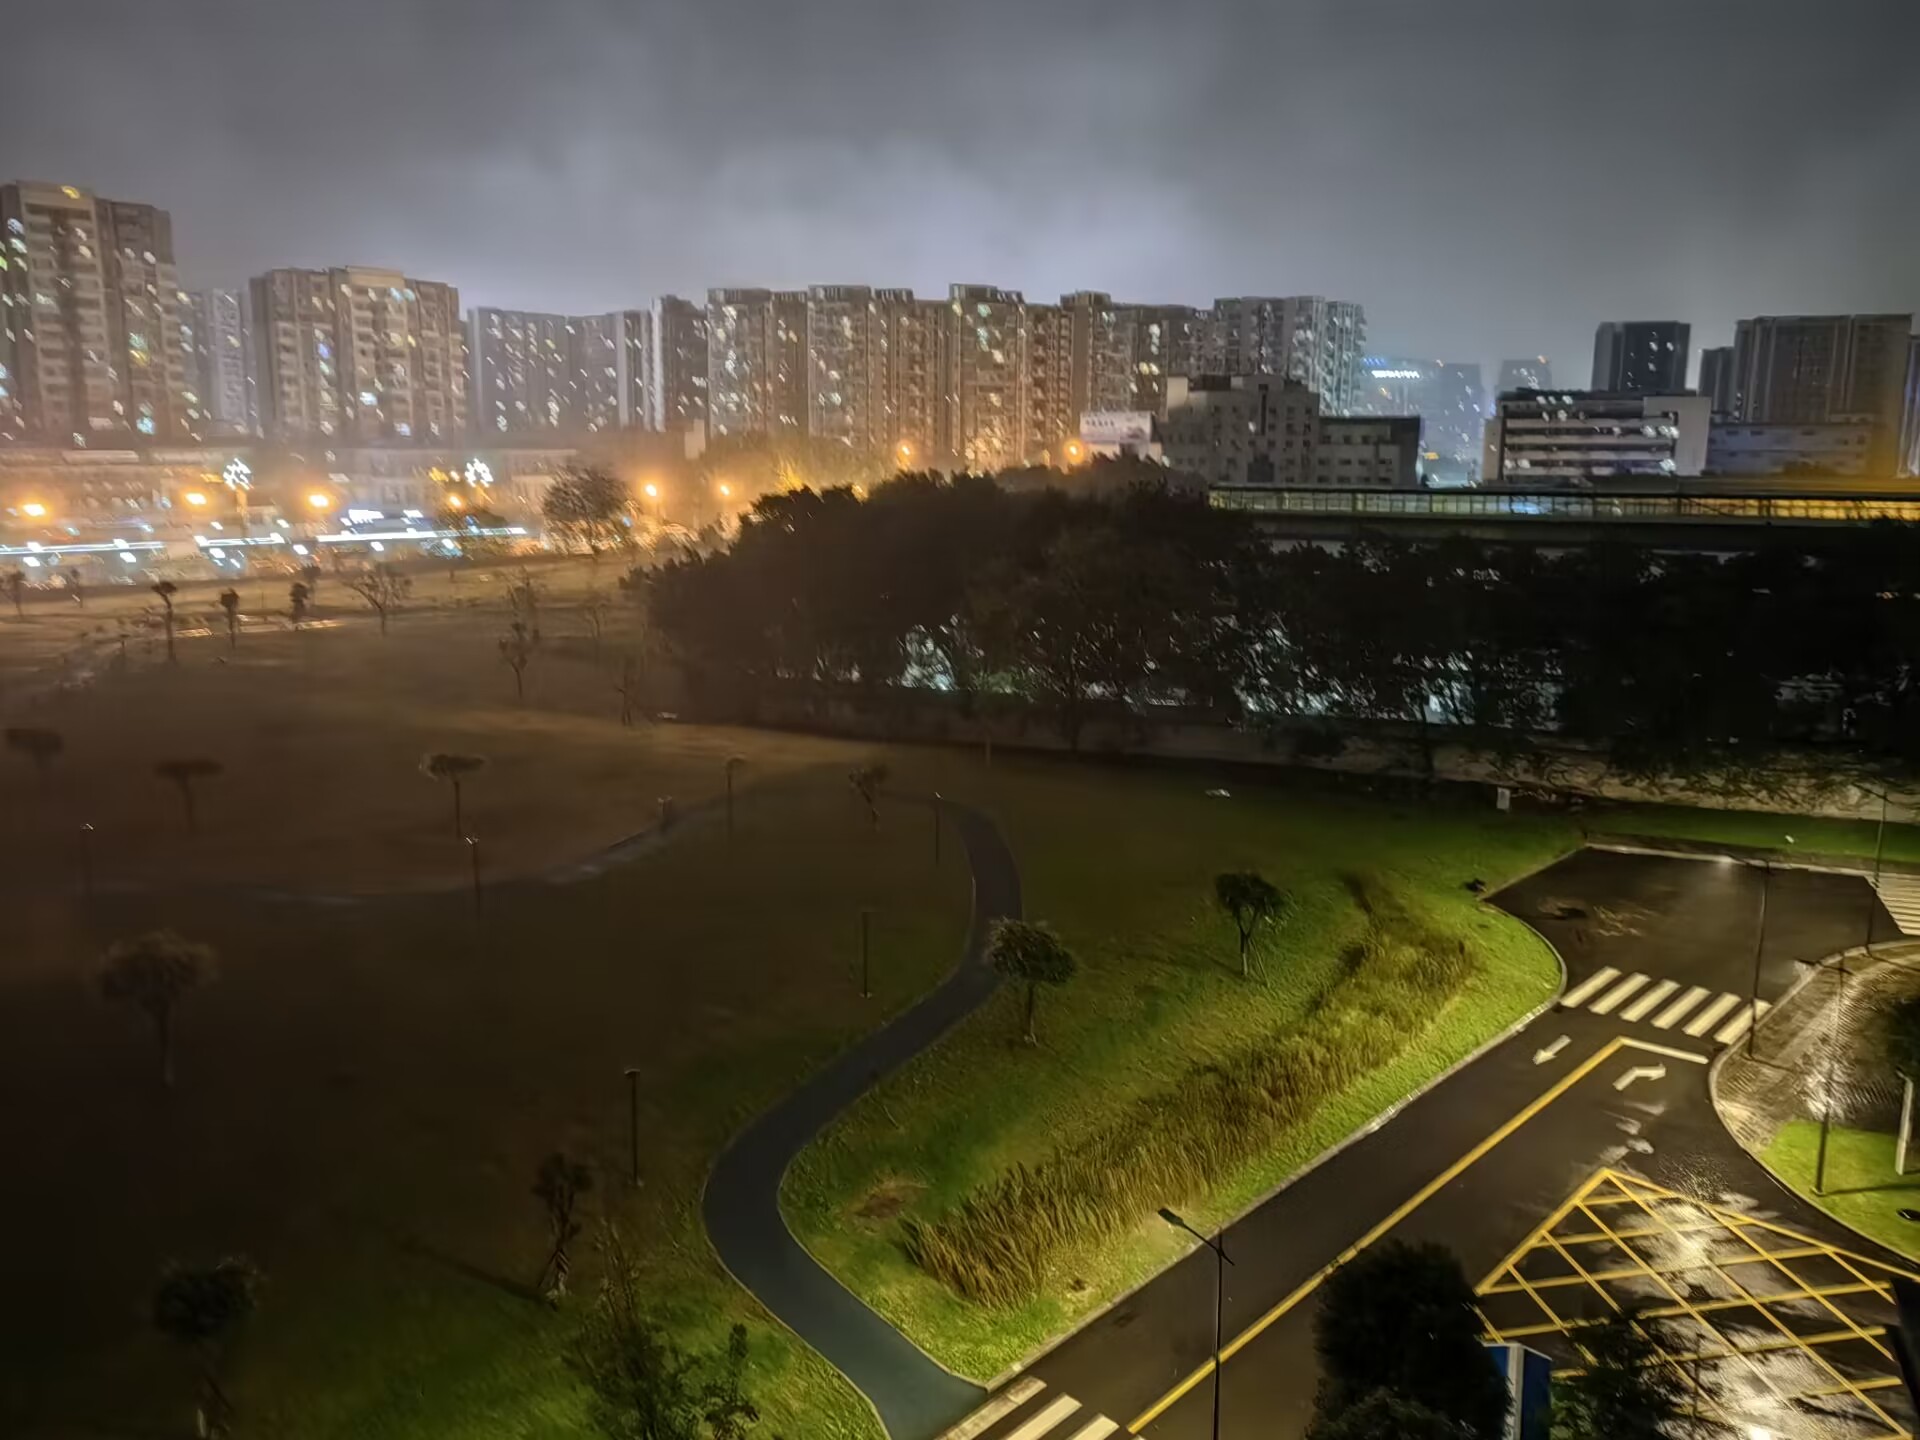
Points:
(915, 1397)
(1693, 923)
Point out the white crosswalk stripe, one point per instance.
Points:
(1026, 1410)
(1643, 1007)
(1666, 1018)
(1901, 895)
(1638, 998)
(1610, 1001)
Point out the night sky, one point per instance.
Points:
(1487, 178)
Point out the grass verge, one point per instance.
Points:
(1862, 1191)
(1806, 834)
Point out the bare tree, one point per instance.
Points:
(15, 583)
(586, 508)
(153, 973)
(166, 590)
(184, 772)
(40, 745)
(628, 687)
(230, 603)
(866, 783)
(297, 597)
(202, 1307)
(452, 768)
(310, 577)
(558, 1186)
(594, 609)
(382, 587)
(517, 649)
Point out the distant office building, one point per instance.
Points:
(359, 353)
(215, 331)
(677, 390)
(841, 383)
(1268, 430)
(1736, 448)
(1448, 400)
(92, 342)
(1910, 423)
(1716, 378)
(1535, 373)
(1641, 357)
(1307, 338)
(1164, 340)
(1570, 437)
(907, 358)
(1822, 369)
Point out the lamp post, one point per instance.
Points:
(1220, 1261)
(473, 850)
(86, 860)
(1759, 945)
(866, 928)
(633, 1122)
(936, 827)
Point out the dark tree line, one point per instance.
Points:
(1127, 604)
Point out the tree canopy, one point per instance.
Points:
(585, 508)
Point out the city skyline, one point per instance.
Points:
(1129, 156)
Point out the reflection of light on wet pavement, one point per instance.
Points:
(1776, 1332)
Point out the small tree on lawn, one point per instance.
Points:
(183, 773)
(517, 649)
(154, 973)
(1251, 901)
(640, 1384)
(866, 783)
(1630, 1388)
(203, 1308)
(297, 597)
(15, 583)
(1900, 1045)
(558, 1186)
(310, 577)
(166, 590)
(40, 745)
(452, 768)
(1401, 1318)
(230, 603)
(383, 588)
(594, 609)
(584, 508)
(1031, 954)
(628, 687)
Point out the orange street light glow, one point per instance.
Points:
(454, 502)
(905, 451)
(194, 497)
(1075, 452)
(725, 489)
(652, 490)
(320, 501)
(33, 508)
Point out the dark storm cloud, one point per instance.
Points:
(1488, 178)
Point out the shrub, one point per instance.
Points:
(996, 1245)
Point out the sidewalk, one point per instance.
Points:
(1820, 1035)
(1753, 854)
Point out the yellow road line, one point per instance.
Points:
(1420, 1197)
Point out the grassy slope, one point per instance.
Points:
(1862, 1190)
(1810, 835)
(1122, 862)
(366, 1091)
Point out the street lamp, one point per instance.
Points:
(1759, 944)
(34, 510)
(905, 451)
(1220, 1261)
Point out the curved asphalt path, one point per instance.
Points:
(915, 1397)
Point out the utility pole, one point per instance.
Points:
(633, 1122)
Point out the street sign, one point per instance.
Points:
(1528, 1374)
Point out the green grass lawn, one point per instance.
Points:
(365, 1092)
(1122, 862)
(1861, 1190)
(1809, 835)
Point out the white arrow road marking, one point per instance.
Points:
(1641, 1072)
(1547, 1052)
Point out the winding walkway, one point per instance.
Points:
(916, 1398)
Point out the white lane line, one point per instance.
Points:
(1096, 1429)
(1738, 1025)
(997, 1409)
(1582, 992)
(1608, 1002)
(1642, 1007)
(1695, 994)
(1710, 1017)
(1056, 1412)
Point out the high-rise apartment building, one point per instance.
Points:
(599, 346)
(1643, 357)
(1101, 339)
(1165, 340)
(677, 387)
(634, 372)
(220, 370)
(521, 368)
(841, 384)
(1910, 421)
(1825, 369)
(787, 359)
(360, 353)
(985, 373)
(1716, 378)
(740, 353)
(91, 340)
(907, 357)
(1050, 407)
(1307, 338)
(1532, 373)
